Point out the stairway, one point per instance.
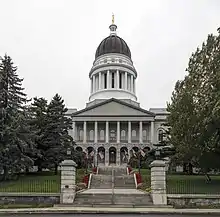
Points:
(112, 187)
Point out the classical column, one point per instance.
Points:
(100, 80)
(140, 132)
(73, 130)
(108, 79)
(117, 78)
(126, 81)
(91, 85)
(93, 81)
(118, 131)
(96, 132)
(106, 132)
(84, 132)
(132, 83)
(152, 132)
(129, 131)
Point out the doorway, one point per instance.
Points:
(112, 155)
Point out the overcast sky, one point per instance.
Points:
(53, 42)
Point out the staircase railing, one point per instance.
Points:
(90, 179)
(113, 185)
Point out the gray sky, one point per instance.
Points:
(53, 42)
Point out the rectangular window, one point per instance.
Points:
(120, 80)
(105, 81)
(113, 80)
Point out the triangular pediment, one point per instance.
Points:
(113, 107)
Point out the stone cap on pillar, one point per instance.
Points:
(158, 163)
(68, 163)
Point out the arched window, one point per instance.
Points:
(91, 135)
(80, 135)
(102, 135)
(112, 135)
(144, 133)
(133, 134)
(123, 135)
(160, 135)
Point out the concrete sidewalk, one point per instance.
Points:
(63, 210)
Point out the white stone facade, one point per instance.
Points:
(113, 123)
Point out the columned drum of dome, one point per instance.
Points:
(113, 74)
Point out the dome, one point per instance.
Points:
(113, 44)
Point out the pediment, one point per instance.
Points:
(113, 108)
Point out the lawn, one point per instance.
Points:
(44, 182)
(186, 184)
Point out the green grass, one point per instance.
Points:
(44, 182)
(186, 184)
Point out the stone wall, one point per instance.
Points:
(29, 198)
(193, 200)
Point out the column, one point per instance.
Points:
(126, 81)
(68, 181)
(73, 130)
(100, 80)
(106, 156)
(118, 132)
(158, 182)
(117, 78)
(84, 132)
(93, 81)
(152, 132)
(91, 85)
(108, 79)
(140, 132)
(129, 131)
(106, 132)
(132, 84)
(96, 132)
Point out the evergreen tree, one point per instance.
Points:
(38, 123)
(56, 137)
(16, 139)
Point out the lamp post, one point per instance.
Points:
(68, 153)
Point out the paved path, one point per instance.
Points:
(105, 215)
(88, 211)
(110, 191)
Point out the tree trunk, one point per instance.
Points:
(56, 169)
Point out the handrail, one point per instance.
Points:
(135, 180)
(127, 171)
(90, 179)
(113, 185)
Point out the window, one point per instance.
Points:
(102, 135)
(112, 135)
(91, 135)
(113, 80)
(105, 80)
(133, 134)
(123, 135)
(160, 135)
(80, 135)
(120, 80)
(144, 135)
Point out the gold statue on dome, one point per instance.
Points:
(113, 18)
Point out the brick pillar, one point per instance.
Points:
(158, 182)
(68, 181)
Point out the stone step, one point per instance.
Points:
(101, 181)
(113, 199)
(123, 182)
(90, 199)
(134, 199)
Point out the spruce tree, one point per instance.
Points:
(16, 138)
(56, 137)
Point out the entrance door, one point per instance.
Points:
(112, 155)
